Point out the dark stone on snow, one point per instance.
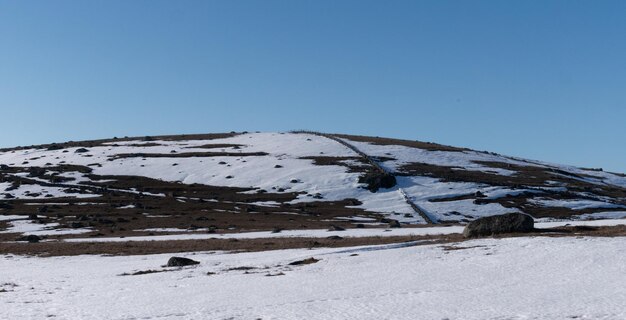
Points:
(181, 262)
(336, 228)
(376, 180)
(506, 223)
(81, 150)
(394, 224)
(303, 262)
(481, 201)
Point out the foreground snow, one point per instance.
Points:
(516, 278)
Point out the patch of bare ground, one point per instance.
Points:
(234, 245)
(362, 167)
(126, 205)
(142, 272)
(407, 143)
(187, 155)
(100, 142)
(254, 245)
(217, 146)
(530, 177)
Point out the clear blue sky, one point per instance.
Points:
(538, 79)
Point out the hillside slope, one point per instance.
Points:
(264, 181)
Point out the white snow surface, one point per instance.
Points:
(27, 227)
(514, 278)
(574, 204)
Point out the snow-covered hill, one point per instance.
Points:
(336, 178)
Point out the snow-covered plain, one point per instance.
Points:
(514, 278)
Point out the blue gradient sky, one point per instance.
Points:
(538, 79)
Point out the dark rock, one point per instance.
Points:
(77, 225)
(376, 180)
(294, 181)
(506, 223)
(43, 209)
(394, 224)
(30, 238)
(334, 238)
(81, 150)
(479, 194)
(278, 166)
(181, 262)
(303, 262)
(4, 167)
(481, 201)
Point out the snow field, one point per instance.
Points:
(514, 278)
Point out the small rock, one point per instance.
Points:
(181, 262)
(30, 238)
(479, 194)
(394, 224)
(303, 262)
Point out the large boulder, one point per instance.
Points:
(506, 223)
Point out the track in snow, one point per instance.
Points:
(423, 213)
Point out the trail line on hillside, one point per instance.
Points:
(423, 213)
